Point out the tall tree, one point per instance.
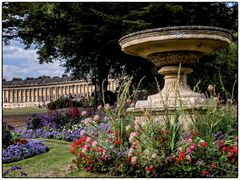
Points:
(84, 35)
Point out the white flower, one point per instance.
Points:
(154, 155)
(128, 128)
(88, 120)
(96, 118)
(99, 107)
(210, 88)
(134, 160)
(107, 106)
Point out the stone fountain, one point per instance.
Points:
(174, 50)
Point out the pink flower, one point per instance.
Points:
(130, 153)
(94, 143)
(132, 135)
(189, 150)
(83, 132)
(193, 146)
(171, 157)
(84, 113)
(89, 168)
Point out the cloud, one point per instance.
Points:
(15, 53)
(19, 62)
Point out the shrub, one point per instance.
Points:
(6, 136)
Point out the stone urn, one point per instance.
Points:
(174, 50)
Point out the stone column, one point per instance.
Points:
(23, 95)
(7, 96)
(3, 97)
(15, 95)
(47, 94)
(19, 95)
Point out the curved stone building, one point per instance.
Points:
(44, 89)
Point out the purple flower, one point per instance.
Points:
(186, 136)
(17, 152)
(16, 168)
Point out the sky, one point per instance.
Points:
(18, 62)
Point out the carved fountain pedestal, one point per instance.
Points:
(173, 50)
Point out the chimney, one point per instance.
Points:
(16, 79)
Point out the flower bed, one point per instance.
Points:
(19, 151)
(66, 135)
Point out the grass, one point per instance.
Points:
(57, 162)
(23, 111)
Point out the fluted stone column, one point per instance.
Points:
(23, 95)
(19, 95)
(7, 96)
(15, 96)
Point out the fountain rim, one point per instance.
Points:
(170, 28)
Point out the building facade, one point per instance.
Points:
(39, 91)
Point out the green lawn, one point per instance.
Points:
(25, 110)
(55, 163)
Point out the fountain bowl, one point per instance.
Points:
(174, 45)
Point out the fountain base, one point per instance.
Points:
(175, 97)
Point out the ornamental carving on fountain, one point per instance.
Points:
(174, 50)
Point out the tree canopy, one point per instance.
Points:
(84, 35)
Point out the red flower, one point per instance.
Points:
(116, 134)
(100, 150)
(73, 150)
(205, 173)
(149, 169)
(213, 166)
(89, 168)
(195, 134)
(81, 154)
(88, 162)
(235, 149)
(181, 154)
(203, 144)
(88, 157)
(178, 159)
(129, 158)
(118, 142)
(230, 154)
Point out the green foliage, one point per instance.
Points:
(6, 136)
(36, 123)
(219, 69)
(84, 36)
(223, 118)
